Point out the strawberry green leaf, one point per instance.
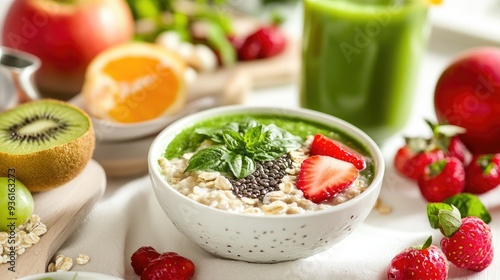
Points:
(469, 205)
(437, 167)
(427, 243)
(417, 144)
(450, 130)
(433, 212)
(442, 134)
(486, 163)
(449, 221)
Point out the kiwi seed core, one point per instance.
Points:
(29, 129)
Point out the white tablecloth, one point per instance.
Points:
(128, 215)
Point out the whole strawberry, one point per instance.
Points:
(482, 173)
(421, 262)
(169, 266)
(411, 161)
(265, 42)
(456, 148)
(442, 179)
(418, 152)
(467, 242)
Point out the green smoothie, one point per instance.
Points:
(360, 60)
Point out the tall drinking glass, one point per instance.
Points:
(360, 60)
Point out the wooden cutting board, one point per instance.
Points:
(61, 210)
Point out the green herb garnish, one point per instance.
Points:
(240, 145)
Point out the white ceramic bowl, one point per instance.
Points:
(264, 239)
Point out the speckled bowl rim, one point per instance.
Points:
(159, 144)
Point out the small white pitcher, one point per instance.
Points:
(16, 77)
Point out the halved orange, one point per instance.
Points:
(134, 82)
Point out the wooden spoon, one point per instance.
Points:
(61, 209)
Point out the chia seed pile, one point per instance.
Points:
(266, 178)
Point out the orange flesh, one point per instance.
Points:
(148, 82)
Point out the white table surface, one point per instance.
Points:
(446, 41)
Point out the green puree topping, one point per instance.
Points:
(235, 135)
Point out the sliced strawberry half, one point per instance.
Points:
(322, 177)
(325, 146)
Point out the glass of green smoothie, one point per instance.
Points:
(360, 60)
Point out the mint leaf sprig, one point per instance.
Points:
(240, 145)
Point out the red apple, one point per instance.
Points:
(468, 95)
(66, 35)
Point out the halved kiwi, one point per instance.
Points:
(45, 143)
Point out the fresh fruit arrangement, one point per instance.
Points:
(46, 142)
(203, 23)
(151, 265)
(442, 166)
(139, 81)
(466, 243)
(197, 31)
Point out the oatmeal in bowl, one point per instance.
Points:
(264, 184)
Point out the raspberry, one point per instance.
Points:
(142, 257)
